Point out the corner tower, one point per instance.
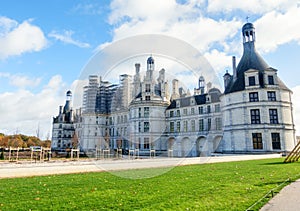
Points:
(257, 107)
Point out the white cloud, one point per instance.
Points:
(20, 80)
(16, 39)
(219, 60)
(276, 28)
(24, 81)
(23, 110)
(209, 25)
(183, 21)
(6, 25)
(249, 6)
(66, 37)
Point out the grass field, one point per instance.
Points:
(219, 186)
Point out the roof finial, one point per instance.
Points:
(247, 18)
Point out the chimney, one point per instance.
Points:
(234, 68)
(60, 110)
(137, 68)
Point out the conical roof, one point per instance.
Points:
(250, 60)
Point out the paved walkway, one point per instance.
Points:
(25, 169)
(288, 199)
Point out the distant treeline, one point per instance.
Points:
(22, 141)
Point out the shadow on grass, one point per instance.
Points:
(277, 163)
(274, 183)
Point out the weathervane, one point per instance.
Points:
(247, 18)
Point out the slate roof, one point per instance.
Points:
(184, 102)
(250, 60)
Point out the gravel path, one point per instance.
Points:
(26, 169)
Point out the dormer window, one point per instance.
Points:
(177, 103)
(251, 80)
(192, 101)
(270, 79)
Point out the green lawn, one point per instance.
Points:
(220, 186)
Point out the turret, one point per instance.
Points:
(68, 105)
(201, 84)
(251, 58)
(150, 64)
(226, 78)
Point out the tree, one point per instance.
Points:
(75, 141)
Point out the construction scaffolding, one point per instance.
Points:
(294, 154)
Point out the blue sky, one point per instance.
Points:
(44, 45)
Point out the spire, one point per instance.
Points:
(67, 106)
(251, 58)
(201, 84)
(248, 33)
(150, 63)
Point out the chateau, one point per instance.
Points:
(253, 114)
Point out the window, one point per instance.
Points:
(146, 126)
(255, 116)
(140, 127)
(171, 127)
(208, 123)
(273, 116)
(147, 98)
(185, 111)
(208, 109)
(147, 88)
(178, 112)
(271, 96)
(201, 125)
(178, 127)
(200, 110)
(218, 123)
(171, 113)
(253, 97)
(146, 143)
(271, 79)
(193, 125)
(217, 108)
(257, 141)
(192, 111)
(185, 125)
(251, 81)
(275, 140)
(140, 112)
(146, 112)
(139, 144)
